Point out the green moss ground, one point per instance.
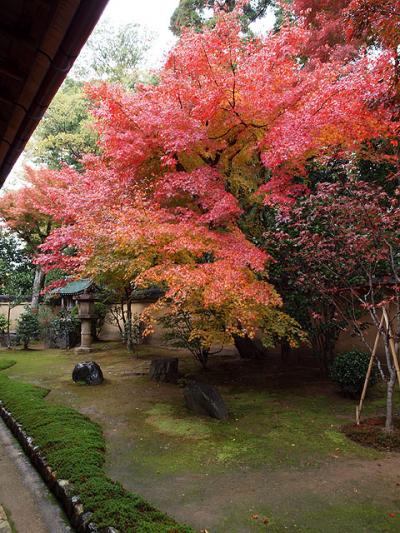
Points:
(74, 447)
(281, 455)
(270, 429)
(6, 363)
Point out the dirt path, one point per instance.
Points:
(227, 502)
(23, 494)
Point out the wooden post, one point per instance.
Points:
(371, 364)
(392, 346)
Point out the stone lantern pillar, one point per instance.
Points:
(86, 314)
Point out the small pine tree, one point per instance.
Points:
(3, 324)
(28, 327)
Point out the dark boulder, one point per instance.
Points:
(89, 372)
(204, 399)
(165, 370)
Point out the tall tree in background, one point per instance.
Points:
(66, 133)
(16, 268)
(114, 54)
(196, 13)
(31, 224)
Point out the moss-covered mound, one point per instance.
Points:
(6, 363)
(74, 447)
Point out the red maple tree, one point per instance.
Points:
(230, 123)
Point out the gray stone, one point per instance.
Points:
(204, 399)
(164, 369)
(4, 524)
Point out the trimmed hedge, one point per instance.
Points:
(349, 369)
(74, 447)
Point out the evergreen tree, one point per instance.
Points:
(196, 13)
(28, 327)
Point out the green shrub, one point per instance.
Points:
(74, 447)
(3, 324)
(28, 327)
(349, 369)
(100, 313)
(64, 330)
(45, 316)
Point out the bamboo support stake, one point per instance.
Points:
(371, 364)
(391, 344)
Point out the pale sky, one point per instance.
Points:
(154, 15)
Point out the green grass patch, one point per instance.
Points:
(273, 429)
(6, 363)
(75, 448)
(314, 514)
(163, 418)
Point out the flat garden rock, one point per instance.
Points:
(89, 372)
(164, 369)
(204, 399)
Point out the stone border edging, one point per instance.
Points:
(4, 523)
(61, 488)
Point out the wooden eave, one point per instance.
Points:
(39, 42)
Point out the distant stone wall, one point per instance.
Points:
(110, 331)
(15, 312)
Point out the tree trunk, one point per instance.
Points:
(285, 352)
(389, 402)
(389, 386)
(128, 326)
(203, 358)
(38, 283)
(8, 326)
(249, 348)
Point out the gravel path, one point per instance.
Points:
(23, 494)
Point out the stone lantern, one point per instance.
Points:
(86, 314)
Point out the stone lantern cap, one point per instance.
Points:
(85, 305)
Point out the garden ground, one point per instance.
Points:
(279, 464)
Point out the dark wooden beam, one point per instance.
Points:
(18, 36)
(6, 100)
(11, 72)
(85, 17)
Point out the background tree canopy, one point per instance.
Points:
(113, 53)
(66, 134)
(16, 269)
(196, 13)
